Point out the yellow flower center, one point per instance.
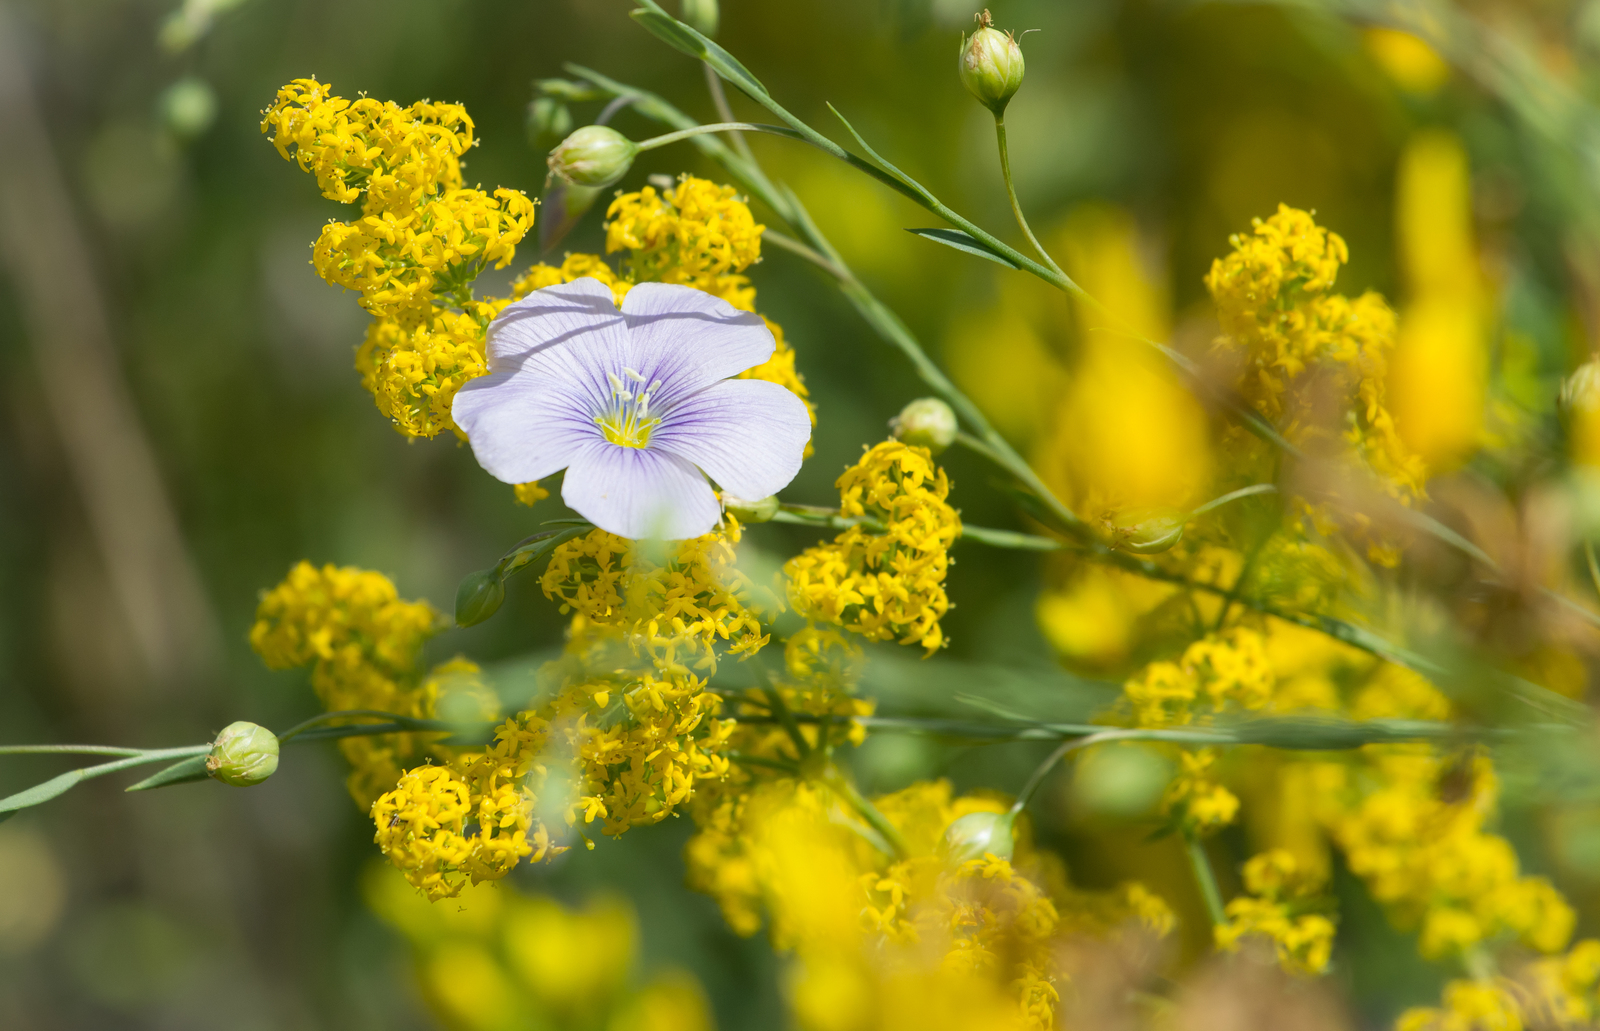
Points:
(627, 421)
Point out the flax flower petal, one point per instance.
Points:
(688, 339)
(746, 434)
(640, 493)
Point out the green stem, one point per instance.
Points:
(1037, 777)
(719, 99)
(68, 750)
(1205, 878)
(1011, 193)
(884, 321)
(699, 130)
(868, 812)
(1242, 492)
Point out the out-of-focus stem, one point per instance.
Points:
(1205, 878)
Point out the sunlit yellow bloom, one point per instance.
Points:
(886, 584)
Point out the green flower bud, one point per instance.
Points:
(751, 511)
(479, 597)
(188, 107)
(974, 834)
(596, 155)
(243, 754)
(991, 65)
(1581, 391)
(1147, 531)
(549, 120)
(926, 422)
(701, 15)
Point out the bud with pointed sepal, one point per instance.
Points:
(751, 511)
(702, 15)
(1147, 531)
(976, 834)
(479, 597)
(595, 156)
(243, 754)
(926, 422)
(991, 65)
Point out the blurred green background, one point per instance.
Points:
(180, 422)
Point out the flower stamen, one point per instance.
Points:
(626, 422)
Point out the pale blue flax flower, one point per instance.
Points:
(636, 405)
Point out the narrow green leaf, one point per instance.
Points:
(670, 31)
(690, 41)
(964, 242)
(42, 792)
(888, 166)
(180, 772)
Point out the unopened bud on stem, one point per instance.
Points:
(479, 597)
(1147, 531)
(243, 754)
(702, 15)
(751, 511)
(596, 155)
(971, 836)
(926, 422)
(1581, 391)
(991, 65)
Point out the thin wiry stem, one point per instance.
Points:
(1011, 194)
(719, 99)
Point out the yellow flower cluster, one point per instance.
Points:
(1276, 908)
(1275, 302)
(884, 579)
(868, 932)
(696, 234)
(1220, 672)
(363, 644)
(529, 494)
(399, 261)
(675, 607)
(414, 372)
(641, 739)
(423, 823)
(497, 958)
(1411, 823)
(575, 266)
(1552, 992)
(395, 155)
(421, 240)
(631, 704)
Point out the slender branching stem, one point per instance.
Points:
(1242, 492)
(1011, 194)
(1043, 770)
(719, 99)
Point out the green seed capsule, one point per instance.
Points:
(595, 155)
(243, 754)
(479, 597)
